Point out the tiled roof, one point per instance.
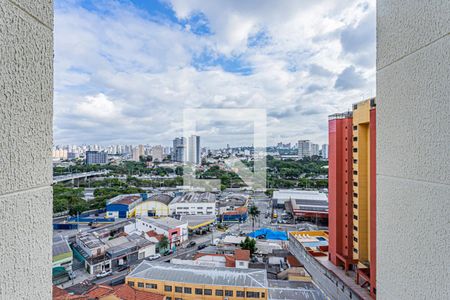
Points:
(293, 262)
(153, 233)
(241, 254)
(60, 294)
(125, 292)
(122, 291)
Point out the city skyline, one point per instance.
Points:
(120, 80)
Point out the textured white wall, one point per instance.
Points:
(413, 149)
(26, 94)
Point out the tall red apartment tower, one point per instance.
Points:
(352, 192)
(340, 190)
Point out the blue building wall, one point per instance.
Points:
(121, 208)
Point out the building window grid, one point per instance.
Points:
(199, 291)
(178, 289)
(207, 292)
(188, 290)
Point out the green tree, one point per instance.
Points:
(254, 212)
(249, 244)
(163, 243)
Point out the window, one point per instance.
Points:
(241, 263)
(219, 292)
(355, 150)
(168, 298)
(240, 294)
(355, 250)
(355, 172)
(140, 284)
(355, 206)
(178, 289)
(229, 293)
(355, 161)
(188, 290)
(207, 292)
(151, 286)
(168, 288)
(355, 183)
(355, 228)
(131, 283)
(263, 295)
(355, 127)
(355, 217)
(355, 239)
(198, 291)
(355, 138)
(252, 294)
(355, 194)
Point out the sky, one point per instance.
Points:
(126, 70)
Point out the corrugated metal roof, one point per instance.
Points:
(200, 275)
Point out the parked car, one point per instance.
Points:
(103, 274)
(191, 244)
(202, 246)
(168, 252)
(154, 256)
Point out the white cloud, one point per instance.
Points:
(122, 76)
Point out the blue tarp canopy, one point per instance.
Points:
(269, 234)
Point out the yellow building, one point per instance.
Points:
(199, 283)
(363, 157)
(155, 205)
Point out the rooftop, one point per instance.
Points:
(200, 275)
(300, 195)
(240, 254)
(122, 291)
(193, 197)
(294, 290)
(125, 199)
(61, 248)
(165, 223)
(163, 198)
(197, 221)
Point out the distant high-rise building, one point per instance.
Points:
(178, 150)
(314, 149)
(135, 154)
(194, 150)
(157, 153)
(325, 151)
(304, 149)
(96, 158)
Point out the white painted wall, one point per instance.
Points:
(193, 208)
(26, 115)
(413, 113)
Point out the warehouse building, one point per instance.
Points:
(155, 205)
(190, 282)
(123, 205)
(193, 203)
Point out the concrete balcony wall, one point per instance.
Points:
(328, 282)
(413, 149)
(26, 97)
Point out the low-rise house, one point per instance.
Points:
(175, 230)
